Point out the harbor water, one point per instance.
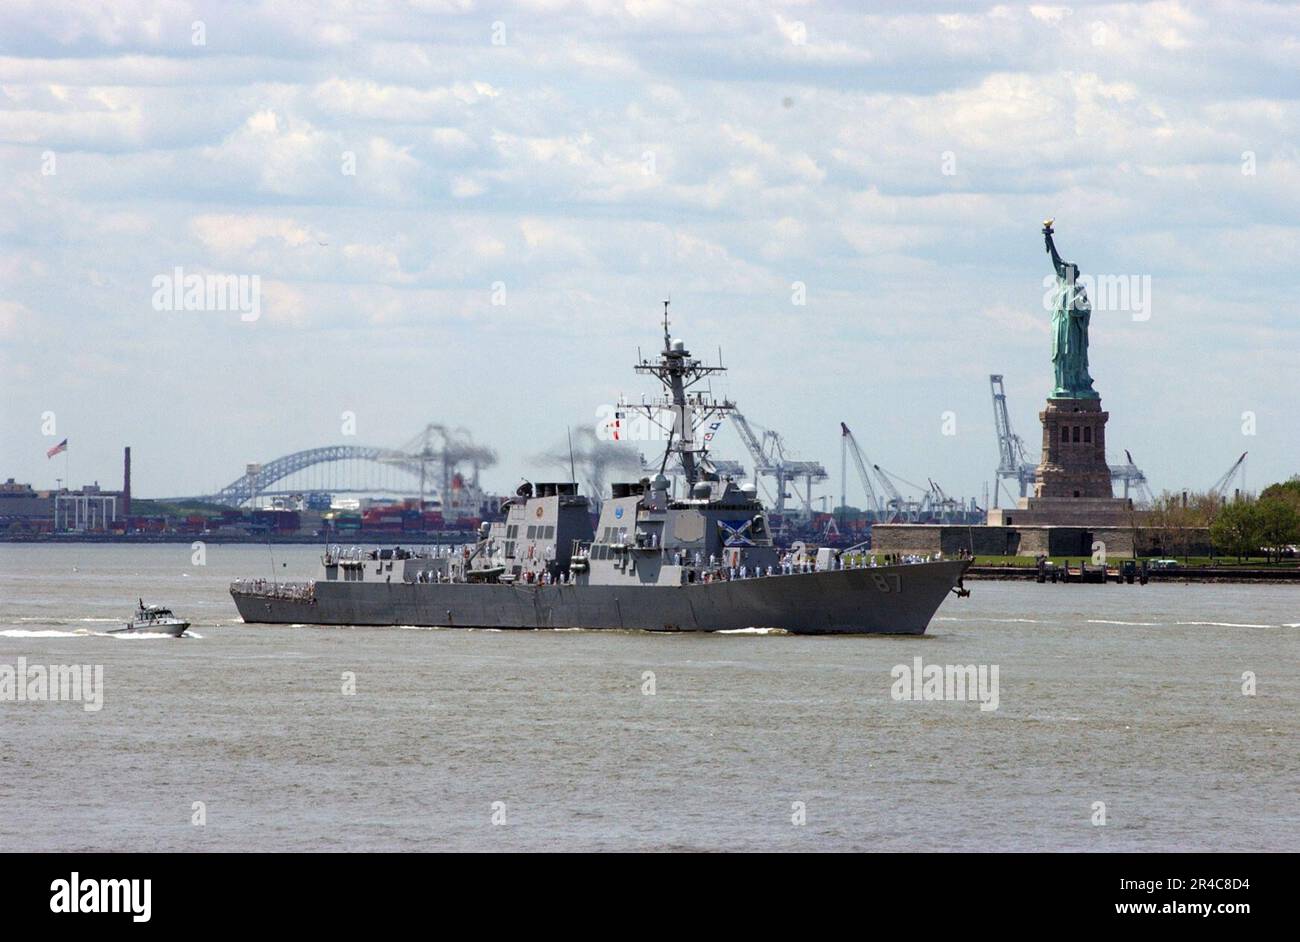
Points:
(1167, 711)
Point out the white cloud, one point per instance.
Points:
(231, 237)
(15, 318)
(611, 153)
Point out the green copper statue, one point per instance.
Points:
(1070, 316)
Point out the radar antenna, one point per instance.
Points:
(688, 419)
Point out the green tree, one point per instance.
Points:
(1279, 523)
(1288, 491)
(1237, 528)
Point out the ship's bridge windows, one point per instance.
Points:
(549, 534)
(532, 533)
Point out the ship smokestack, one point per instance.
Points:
(126, 481)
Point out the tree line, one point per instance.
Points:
(1242, 527)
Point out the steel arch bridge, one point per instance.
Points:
(260, 479)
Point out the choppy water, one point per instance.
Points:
(1122, 694)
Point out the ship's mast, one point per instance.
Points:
(681, 413)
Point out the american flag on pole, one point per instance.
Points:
(61, 446)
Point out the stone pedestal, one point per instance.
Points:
(1072, 482)
(1074, 450)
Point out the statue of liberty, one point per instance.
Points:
(1070, 315)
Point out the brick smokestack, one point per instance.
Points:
(126, 482)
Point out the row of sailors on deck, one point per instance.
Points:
(297, 591)
(546, 577)
(790, 564)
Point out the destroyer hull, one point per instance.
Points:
(882, 600)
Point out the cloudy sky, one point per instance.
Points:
(469, 213)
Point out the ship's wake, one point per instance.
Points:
(43, 633)
(88, 633)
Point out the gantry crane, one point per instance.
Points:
(947, 509)
(445, 449)
(771, 460)
(1131, 475)
(1012, 461)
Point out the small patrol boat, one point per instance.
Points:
(152, 620)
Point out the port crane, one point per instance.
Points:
(1013, 463)
(935, 504)
(1219, 487)
(892, 507)
(910, 511)
(1131, 475)
(947, 509)
(444, 448)
(848, 444)
(772, 460)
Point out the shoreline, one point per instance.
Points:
(976, 573)
(1188, 574)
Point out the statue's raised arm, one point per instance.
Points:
(1057, 263)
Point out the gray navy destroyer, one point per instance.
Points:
(702, 561)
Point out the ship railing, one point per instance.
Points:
(792, 565)
(267, 588)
